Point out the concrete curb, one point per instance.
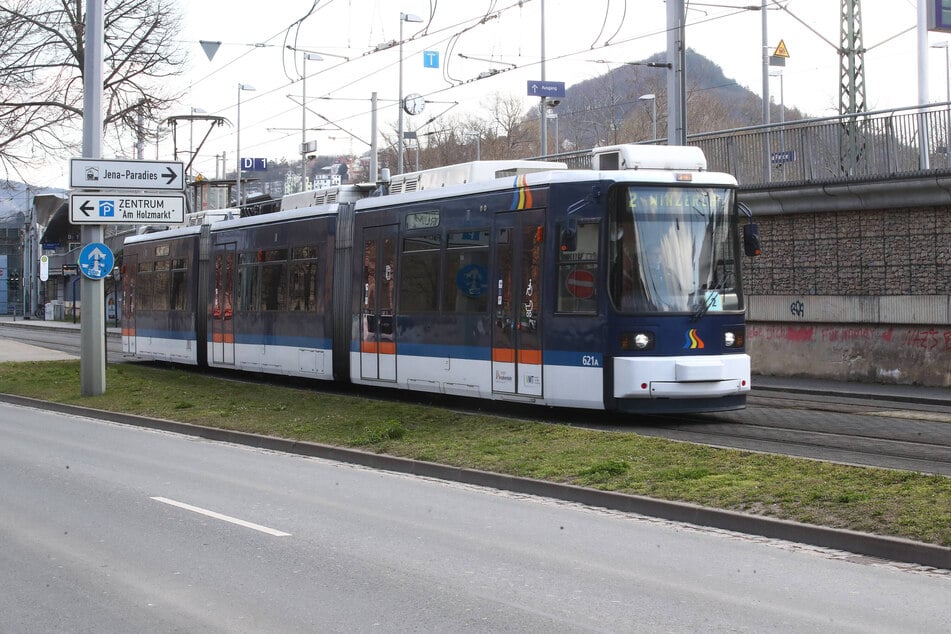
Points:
(883, 547)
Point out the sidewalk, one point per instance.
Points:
(940, 396)
(21, 322)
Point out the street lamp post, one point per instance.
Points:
(404, 17)
(303, 122)
(947, 69)
(238, 157)
(475, 134)
(782, 114)
(653, 99)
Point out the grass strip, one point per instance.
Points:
(880, 501)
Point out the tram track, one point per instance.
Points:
(867, 434)
(830, 426)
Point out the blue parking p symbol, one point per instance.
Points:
(107, 208)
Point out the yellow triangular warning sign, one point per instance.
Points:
(781, 50)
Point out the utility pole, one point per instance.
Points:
(543, 104)
(851, 84)
(92, 361)
(676, 78)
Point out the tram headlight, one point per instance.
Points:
(637, 341)
(734, 337)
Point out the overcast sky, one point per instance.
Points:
(582, 40)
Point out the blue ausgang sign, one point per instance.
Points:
(96, 260)
(546, 89)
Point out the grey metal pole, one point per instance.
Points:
(676, 104)
(767, 164)
(765, 67)
(924, 160)
(374, 150)
(404, 17)
(238, 154)
(399, 106)
(303, 122)
(92, 359)
(543, 105)
(303, 126)
(654, 115)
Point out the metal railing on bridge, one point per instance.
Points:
(859, 147)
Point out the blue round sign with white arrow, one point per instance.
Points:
(96, 260)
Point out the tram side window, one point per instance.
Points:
(262, 280)
(179, 285)
(465, 287)
(419, 278)
(143, 287)
(303, 285)
(160, 285)
(578, 273)
(274, 280)
(249, 287)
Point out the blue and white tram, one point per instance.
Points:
(616, 288)
(161, 292)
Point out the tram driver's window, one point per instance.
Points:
(578, 272)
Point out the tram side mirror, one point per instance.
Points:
(569, 237)
(751, 239)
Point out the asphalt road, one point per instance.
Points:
(112, 528)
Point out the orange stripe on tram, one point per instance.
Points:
(530, 357)
(503, 355)
(222, 337)
(383, 347)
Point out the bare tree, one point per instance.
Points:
(42, 52)
(508, 118)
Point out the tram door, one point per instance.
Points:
(130, 266)
(222, 304)
(377, 337)
(516, 337)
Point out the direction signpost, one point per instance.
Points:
(102, 201)
(118, 174)
(103, 208)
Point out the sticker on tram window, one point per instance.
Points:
(422, 220)
(472, 280)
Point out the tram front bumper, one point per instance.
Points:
(681, 377)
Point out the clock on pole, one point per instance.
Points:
(413, 103)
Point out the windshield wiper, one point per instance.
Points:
(709, 300)
(702, 309)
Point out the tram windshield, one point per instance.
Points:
(675, 249)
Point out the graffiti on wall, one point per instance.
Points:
(929, 339)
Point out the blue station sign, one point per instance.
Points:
(546, 89)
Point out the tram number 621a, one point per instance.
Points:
(590, 361)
